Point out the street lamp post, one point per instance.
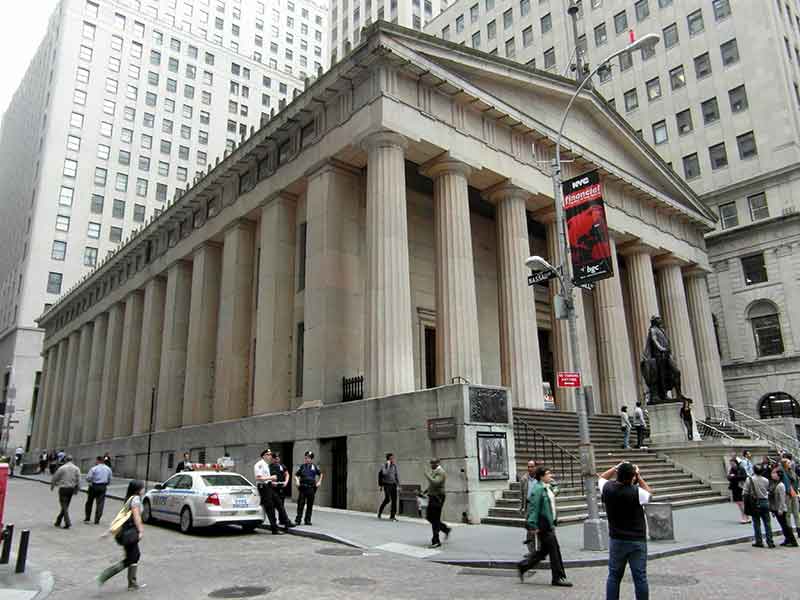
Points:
(594, 530)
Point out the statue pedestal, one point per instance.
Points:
(666, 426)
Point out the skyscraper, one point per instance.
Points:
(125, 102)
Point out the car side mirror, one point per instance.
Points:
(158, 486)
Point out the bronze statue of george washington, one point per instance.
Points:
(659, 370)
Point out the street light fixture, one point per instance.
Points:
(595, 535)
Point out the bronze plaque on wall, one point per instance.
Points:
(442, 428)
(488, 405)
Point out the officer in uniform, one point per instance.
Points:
(307, 479)
(264, 481)
(278, 487)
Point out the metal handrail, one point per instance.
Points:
(566, 465)
(709, 431)
(726, 414)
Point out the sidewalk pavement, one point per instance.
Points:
(491, 546)
(30, 585)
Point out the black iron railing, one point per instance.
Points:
(352, 388)
(538, 447)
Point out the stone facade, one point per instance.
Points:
(374, 227)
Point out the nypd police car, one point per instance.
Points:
(204, 497)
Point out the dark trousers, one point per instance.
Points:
(788, 534)
(389, 496)
(762, 516)
(434, 517)
(97, 495)
(688, 424)
(626, 552)
(64, 498)
(271, 502)
(639, 436)
(305, 499)
(548, 546)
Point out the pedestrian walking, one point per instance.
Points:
(686, 417)
(98, 478)
(625, 426)
(307, 478)
(61, 457)
(389, 481)
(792, 483)
(52, 462)
(107, 460)
(67, 479)
(436, 497)
(736, 479)
(18, 454)
(128, 529)
(639, 423)
(756, 496)
(280, 488)
(185, 464)
(777, 506)
(42, 461)
(623, 500)
(542, 521)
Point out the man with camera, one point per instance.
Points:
(623, 500)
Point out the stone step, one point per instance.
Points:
(511, 497)
(675, 476)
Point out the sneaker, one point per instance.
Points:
(562, 583)
(87, 521)
(770, 545)
(436, 545)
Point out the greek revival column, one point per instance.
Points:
(48, 375)
(149, 353)
(643, 298)
(232, 378)
(675, 313)
(57, 395)
(129, 364)
(81, 382)
(275, 314)
(110, 383)
(201, 352)
(705, 341)
(520, 361)
(94, 383)
(457, 339)
(172, 372)
(389, 355)
(68, 394)
(617, 377)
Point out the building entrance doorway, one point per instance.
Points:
(338, 475)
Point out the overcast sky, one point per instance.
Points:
(21, 30)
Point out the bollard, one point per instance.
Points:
(8, 536)
(22, 551)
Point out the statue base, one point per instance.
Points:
(666, 425)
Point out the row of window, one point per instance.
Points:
(757, 205)
(746, 143)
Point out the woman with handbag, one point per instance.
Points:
(736, 479)
(127, 529)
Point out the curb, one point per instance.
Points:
(46, 585)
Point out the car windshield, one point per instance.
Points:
(224, 480)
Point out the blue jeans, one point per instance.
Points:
(620, 553)
(626, 437)
(763, 515)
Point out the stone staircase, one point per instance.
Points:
(553, 437)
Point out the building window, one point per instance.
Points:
(758, 206)
(691, 166)
(766, 324)
(115, 234)
(754, 269)
(54, 283)
(550, 58)
(653, 89)
(695, 21)
(65, 196)
(671, 36)
(684, 121)
(93, 230)
(738, 99)
(621, 22)
(642, 8)
(631, 100)
(546, 23)
(121, 182)
(660, 132)
(138, 213)
(710, 110)
(460, 24)
(70, 167)
(747, 145)
(476, 39)
(600, 35)
(722, 9)
(730, 52)
(718, 156)
(510, 48)
(62, 223)
(702, 65)
(677, 78)
(89, 256)
(779, 404)
(96, 206)
(728, 215)
(508, 18)
(118, 209)
(527, 36)
(59, 250)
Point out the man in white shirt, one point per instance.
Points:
(639, 423)
(98, 478)
(264, 482)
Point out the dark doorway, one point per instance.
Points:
(338, 476)
(286, 450)
(546, 354)
(430, 357)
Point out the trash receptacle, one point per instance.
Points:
(659, 521)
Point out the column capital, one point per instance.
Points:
(325, 166)
(445, 164)
(636, 247)
(545, 216)
(504, 190)
(383, 139)
(206, 244)
(695, 271)
(669, 260)
(240, 223)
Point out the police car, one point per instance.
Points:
(205, 496)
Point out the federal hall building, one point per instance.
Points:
(356, 269)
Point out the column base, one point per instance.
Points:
(595, 534)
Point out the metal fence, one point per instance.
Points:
(538, 447)
(352, 388)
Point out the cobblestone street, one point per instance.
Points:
(193, 567)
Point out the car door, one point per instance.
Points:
(161, 500)
(179, 496)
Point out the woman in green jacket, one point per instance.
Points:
(542, 520)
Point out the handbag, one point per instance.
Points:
(750, 501)
(122, 517)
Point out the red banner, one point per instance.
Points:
(587, 230)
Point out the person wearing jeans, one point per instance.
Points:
(67, 479)
(757, 486)
(389, 480)
(625, 425)
(623, 500)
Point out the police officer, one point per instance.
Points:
(264, 482)
(307, 479)
(279, 487)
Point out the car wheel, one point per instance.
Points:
(186, 520)
(147, 513)
(249, 527)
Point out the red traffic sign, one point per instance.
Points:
(568, 379)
